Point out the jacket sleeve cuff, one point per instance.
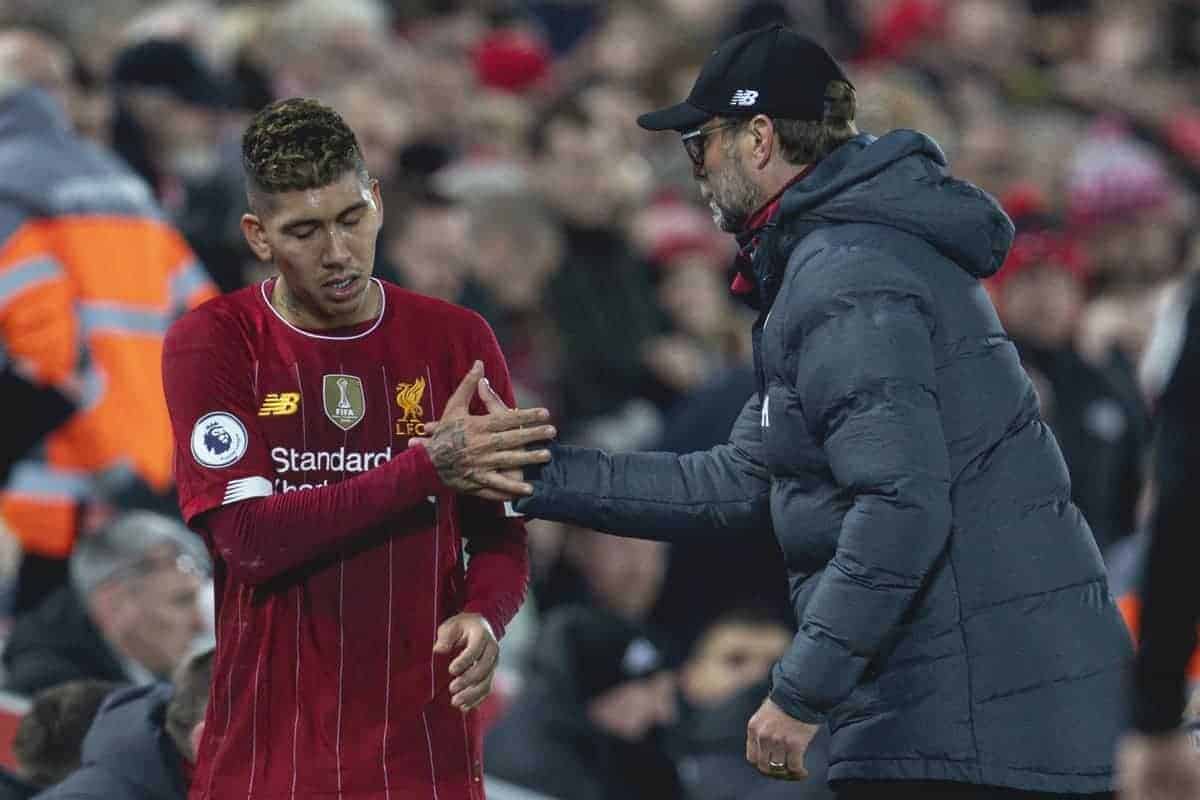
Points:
(814, 676)
(538, 475)
(795, 708)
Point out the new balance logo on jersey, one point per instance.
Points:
(744, 97)
(279, 404)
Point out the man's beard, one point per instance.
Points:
(733, 198)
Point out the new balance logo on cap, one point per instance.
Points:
(772, 70)
(744, 97)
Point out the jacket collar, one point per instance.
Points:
(745, 279)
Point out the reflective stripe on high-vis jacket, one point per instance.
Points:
(85, 301)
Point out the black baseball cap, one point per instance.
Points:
(771, 70)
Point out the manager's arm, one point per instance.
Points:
(660, 496)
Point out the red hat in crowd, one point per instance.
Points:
(1046, 248)
(1039, 242)
(512, 60)
(900, 26)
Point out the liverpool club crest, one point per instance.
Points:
(408, 398)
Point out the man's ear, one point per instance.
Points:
(763, 131)
(377, 194)
(256, 236)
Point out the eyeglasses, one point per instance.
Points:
(695, 141)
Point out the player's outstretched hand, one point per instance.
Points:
(483, 455)
(474, 668)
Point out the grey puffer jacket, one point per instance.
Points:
(955, 621)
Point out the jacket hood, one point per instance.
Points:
(25, 110)
(901, 180)
(128, 736)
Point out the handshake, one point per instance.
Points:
(484, 455)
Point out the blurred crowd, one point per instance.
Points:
(516, 182)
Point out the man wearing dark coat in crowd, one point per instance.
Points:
(601, 299)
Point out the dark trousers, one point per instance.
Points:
(946, 790)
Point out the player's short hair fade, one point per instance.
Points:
(298, 144)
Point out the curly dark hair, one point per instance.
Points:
(297, 144)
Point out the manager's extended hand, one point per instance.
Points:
(776, 743)
(483, 455)
(474, 668)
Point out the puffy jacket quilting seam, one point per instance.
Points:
(1074, 676)
(584, 496)
(962, 632)
(1031, 595)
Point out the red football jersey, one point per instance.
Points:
(325, 682)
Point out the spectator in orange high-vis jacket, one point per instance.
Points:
(91, 276)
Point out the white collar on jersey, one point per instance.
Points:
(379, 319)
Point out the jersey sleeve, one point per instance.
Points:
(221, 457)
(498, 566)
